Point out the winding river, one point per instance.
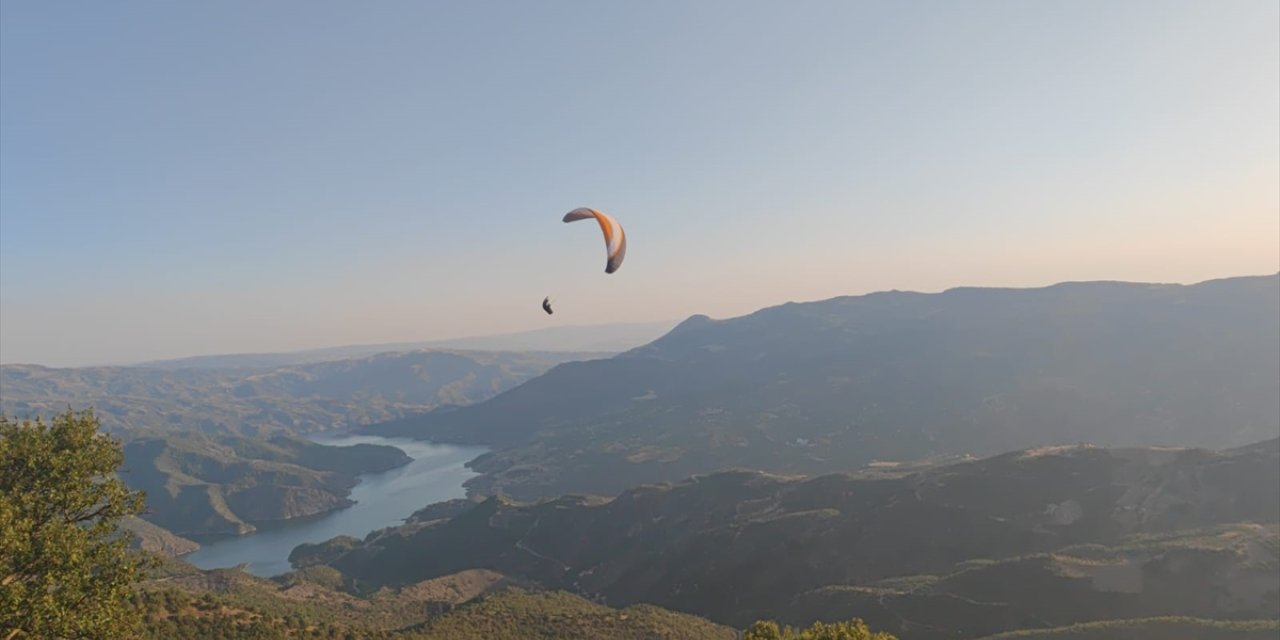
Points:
(382, 500)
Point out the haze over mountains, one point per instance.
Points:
(263, 399)
(600, 339)
(212, 441)
(832, 385)
(314, 390)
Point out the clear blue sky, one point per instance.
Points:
(186, 178)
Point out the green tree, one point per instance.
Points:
(65, 569)
(854, 629)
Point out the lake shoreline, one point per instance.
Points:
(434, 473)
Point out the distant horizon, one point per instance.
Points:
(267, 177)
(358, 345)
(426, 343)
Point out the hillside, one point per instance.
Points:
(201, 485)
(1227, 572)
(477, 605)
(269, 399)
(1168, 628)
(155, 539)
(519, 615)
(1031, 539)
(832, 385)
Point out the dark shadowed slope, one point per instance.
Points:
(831, 385)
(1031, 539)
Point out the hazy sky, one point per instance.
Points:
(188, 178)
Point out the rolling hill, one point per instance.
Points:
(470, 605)
(1039, 538)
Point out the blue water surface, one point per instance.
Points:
(382, 499)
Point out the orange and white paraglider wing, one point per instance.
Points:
(615, 239)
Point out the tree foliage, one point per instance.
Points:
(854, 629)
(65, 569)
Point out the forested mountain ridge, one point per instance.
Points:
(271, 398)
(825, 386)
(1126, 533)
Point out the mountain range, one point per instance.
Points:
(1086, 460)
(270, 398)
(833, 385)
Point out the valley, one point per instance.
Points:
(202, 486)
(714, 320)
(380, 499)
(1057, 462)
(1035, 538)
(1065, 542)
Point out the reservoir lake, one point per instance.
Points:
(382, 500)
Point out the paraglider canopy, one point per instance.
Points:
(615, 240)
